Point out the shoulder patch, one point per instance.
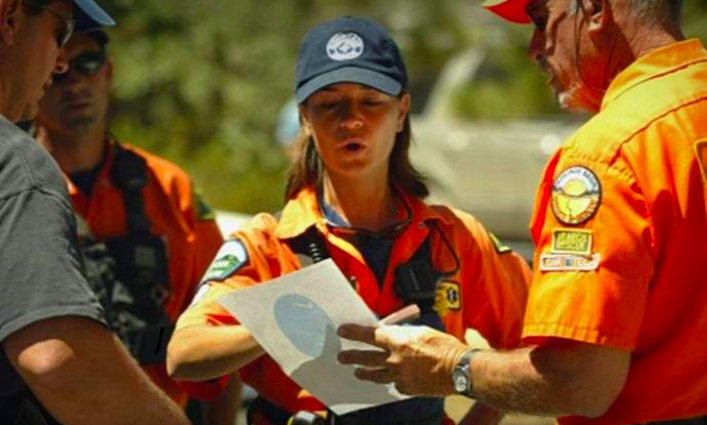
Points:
(501, 248)
(448, 297)
(572, 241)
(203, 210)
(576, 195)
(230, 258)
(569, 262)
(701, 152)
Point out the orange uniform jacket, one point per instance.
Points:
(488, 293)
(172, 208)
(621, 230)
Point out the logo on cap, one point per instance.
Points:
(344, 46)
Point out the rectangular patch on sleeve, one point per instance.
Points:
(701, 152)
(569, 262)
(572, 241)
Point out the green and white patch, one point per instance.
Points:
(501, 248)
(230, 258)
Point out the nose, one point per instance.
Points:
(351, 116)
(62, 62)
(536, 45)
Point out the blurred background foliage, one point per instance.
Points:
(202, 82)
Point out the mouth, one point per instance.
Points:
(353, 146)
(77, 103)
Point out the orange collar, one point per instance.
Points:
(304, 211)
(664, 60)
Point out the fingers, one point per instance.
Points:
(379, 375)
(366, 358)
(365, 334)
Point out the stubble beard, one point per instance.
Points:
(570, 99)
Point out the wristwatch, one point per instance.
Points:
(461, 376)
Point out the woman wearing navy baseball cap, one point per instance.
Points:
(353, 196)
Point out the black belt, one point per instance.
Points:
(279, 416)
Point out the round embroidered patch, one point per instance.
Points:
(344, 46)
(576, 195)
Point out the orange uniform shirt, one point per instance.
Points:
(172, 208)
(488, 293)
(621, 230)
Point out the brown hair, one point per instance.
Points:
(307, 168)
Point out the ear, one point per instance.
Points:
(109, 69)
(598, 14)
(405, 102)
(10, 16)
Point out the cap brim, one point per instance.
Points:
(510, 10)
(89, 16)
(378, 81)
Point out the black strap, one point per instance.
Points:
(129, 174)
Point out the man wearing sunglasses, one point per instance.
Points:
(59, 363)
(164, 217)
(616, 317)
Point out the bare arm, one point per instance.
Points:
(82, 374)
(559, 378)
(201, 353)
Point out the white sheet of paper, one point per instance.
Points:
(295, 317)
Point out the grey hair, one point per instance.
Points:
(655, 11)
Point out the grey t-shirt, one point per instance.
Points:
(41, 271)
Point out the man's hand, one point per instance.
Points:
(417, 359)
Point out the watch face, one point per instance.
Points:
(461, 381)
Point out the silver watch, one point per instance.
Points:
(461, 376)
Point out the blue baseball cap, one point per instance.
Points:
(89, 16)
(349, 49)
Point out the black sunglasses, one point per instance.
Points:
(69, 24)
(85, 64)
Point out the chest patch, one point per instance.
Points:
(569, 262)
(231, 257)
(448, 297)
(701, 152)
(571, 241)
(576, 195)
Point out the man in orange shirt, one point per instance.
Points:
(146, 235)
(616, 310)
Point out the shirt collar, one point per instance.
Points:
(304, 211)
(664, 60)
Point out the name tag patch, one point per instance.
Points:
(572, 241)
(569, 262)
(701, 152)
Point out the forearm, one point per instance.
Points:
(547, 381)
(83, 375)
(561, 377)
(201, 353)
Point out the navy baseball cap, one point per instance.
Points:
(349, 49)
(89, 16)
